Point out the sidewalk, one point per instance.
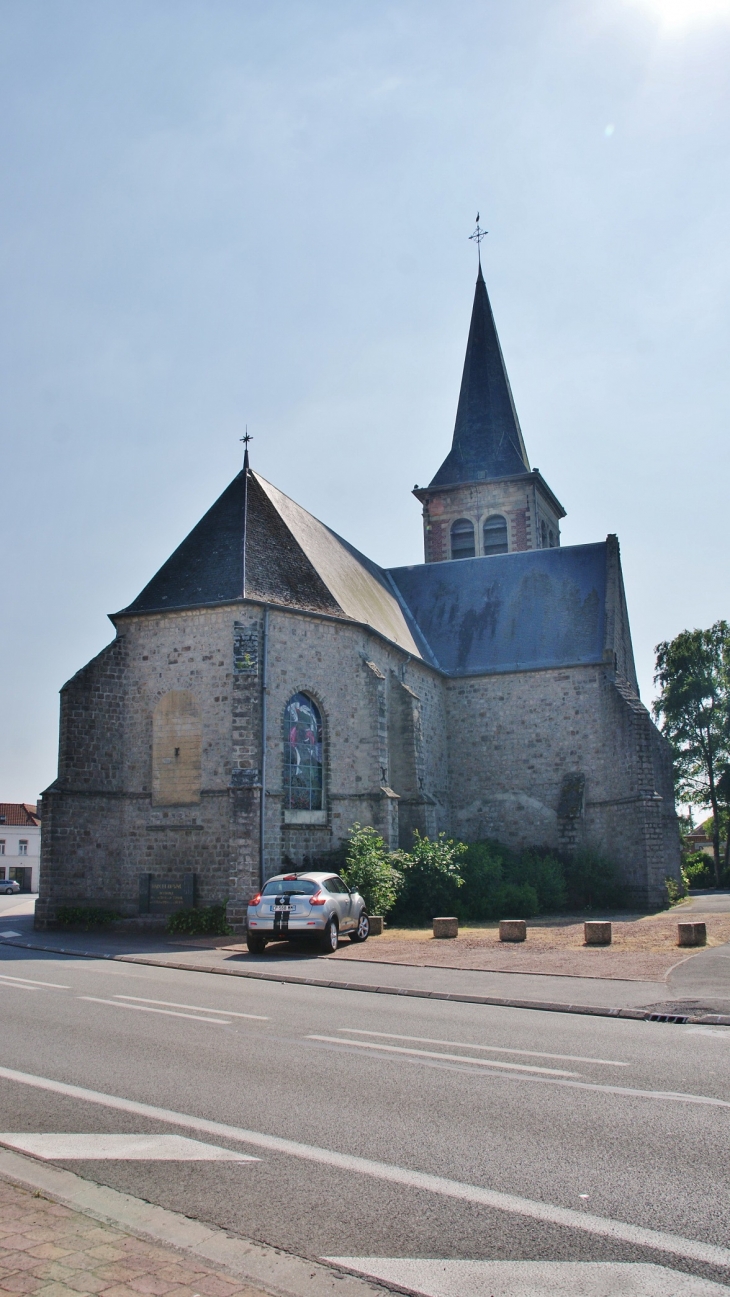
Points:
(65, 1236)
(695, 985)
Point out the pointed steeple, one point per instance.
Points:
(487, 437)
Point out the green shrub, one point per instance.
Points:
(208, 921)
(368, 868)
(85, 916)
(591, 881)
(431, 879)
(698, 869)
(676, 892)
(545, 874)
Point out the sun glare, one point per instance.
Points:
(677, 14)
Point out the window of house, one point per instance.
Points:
(495, 535)
(2, 872)
(302, 755)
(2, 846)
(462, 539)
(23, 847)
(544, 534)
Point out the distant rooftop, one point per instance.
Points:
(19, 815)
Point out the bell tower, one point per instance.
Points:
(485, 499)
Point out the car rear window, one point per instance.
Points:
(291, 887)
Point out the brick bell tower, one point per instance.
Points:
(485, 498)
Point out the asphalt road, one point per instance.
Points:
(366, 1111)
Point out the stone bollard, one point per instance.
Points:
(376, 925)
(691, 934)
(512, 930)
(446, 927)
(597, 932)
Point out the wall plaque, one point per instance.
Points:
(165, 895)
(245, 649)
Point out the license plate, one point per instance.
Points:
(283, 909)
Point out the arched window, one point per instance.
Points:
(462, 539)
(302, 755)
(495, 535)
(544, 534)
(177, 746)
(553, 539)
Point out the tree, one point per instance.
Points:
(693, 708)
(368, 869)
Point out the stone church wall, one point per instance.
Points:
(161, 753)
(534, 737)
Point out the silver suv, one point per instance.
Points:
(300, 905)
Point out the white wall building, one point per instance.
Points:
(20, 844)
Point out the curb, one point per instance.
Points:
(544, 1006)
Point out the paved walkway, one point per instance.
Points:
(50, 1251)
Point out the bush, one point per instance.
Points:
(698, 869)
(368, 868)
(85, 916)
(499, 882)
(591, 881)
(208, 921)
(431, 879)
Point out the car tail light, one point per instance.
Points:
(255, 899)
(319, 898)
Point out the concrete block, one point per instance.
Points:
(446, 927)
(512, 930)
(597, 933)
(691, 934)
(376, 925)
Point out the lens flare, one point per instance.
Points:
(679, 14)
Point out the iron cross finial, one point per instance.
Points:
(478, 235)
(246, 438)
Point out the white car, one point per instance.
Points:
(300, 905)
(9, 886)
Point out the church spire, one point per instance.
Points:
(487, 437)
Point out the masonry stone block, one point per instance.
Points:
(691, 934)
(596, 932)
(512, 930)
(446, 927)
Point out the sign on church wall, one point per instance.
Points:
(245, 649)
(165, 895)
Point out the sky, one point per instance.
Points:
(223, 214)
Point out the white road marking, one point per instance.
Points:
(601, 1226)
(11, 934)
(452, 1058)
(33, 981)
(494, 1049)
(137, 1148)
(228, 1013)
(530, 1278)
(147, 1008)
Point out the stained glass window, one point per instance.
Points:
(302, 755)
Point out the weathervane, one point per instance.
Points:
(478, 235)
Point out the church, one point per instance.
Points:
(271, 686)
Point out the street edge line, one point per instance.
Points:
(543, 1006)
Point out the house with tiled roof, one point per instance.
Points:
(20, 844)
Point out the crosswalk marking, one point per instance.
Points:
(429, 1278)
(120, 1148)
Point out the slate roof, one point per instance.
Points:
(18, 815)
(292, 560)
(487, 439)
(477, 616)
(509, 612)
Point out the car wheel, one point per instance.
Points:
(255, 943)
(362, 931)
(329, 938)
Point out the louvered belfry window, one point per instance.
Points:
(495, 535)
(302, 755)
(462, 539)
